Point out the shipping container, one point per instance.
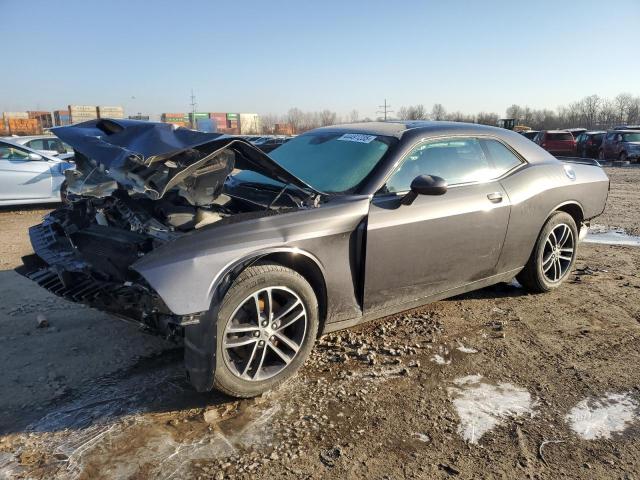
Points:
(82, 113)
(173, 117)
(205, 125)
(250, 124)
(24, 126)
(7, 115)
(61, 118)
(144, 118)
(220, 120)
(110, 112)
(45, 119)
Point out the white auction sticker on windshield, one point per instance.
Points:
(357, 137)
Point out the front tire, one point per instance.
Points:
(553, 256)
(266, 326)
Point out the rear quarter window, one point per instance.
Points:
(502, 157)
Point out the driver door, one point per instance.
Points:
(438, 242)
(22, 178)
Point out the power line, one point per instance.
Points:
(386, 108)
(193, 110)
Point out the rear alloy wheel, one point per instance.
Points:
(553, 256)
(267, 325)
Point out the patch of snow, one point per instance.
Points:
(422, 437)
(440, 360)
(591, 418)
(463, 349)
(482, 406)
(611, 236)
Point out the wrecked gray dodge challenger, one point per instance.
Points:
(249, 257)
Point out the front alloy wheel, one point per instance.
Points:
(264, 333)
(265, 326)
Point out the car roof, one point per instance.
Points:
(397, 128)
(557, 131)
(595, 132)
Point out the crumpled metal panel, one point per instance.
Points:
(152, 157)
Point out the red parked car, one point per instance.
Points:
(557, 142)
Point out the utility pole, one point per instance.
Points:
(193, 110)
(386, 108)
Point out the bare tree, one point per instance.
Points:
(327, 117)
(353, 116)
(268, 123)
(487, 118)
(622, 104)
(295, 117)
(590, 107)
(403, 113)
(514, 111)
(438, 112)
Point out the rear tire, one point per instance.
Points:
(274, 336)
(553, 256)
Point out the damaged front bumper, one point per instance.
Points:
(61, 268)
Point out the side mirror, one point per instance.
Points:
(35, 156)
(425, 185)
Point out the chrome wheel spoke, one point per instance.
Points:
(257, 375)
(286, 358)
(291, 321)
(547, 264)
(564, 257)
(287, 310)
(239, 342)
(253, 354)
(242, 329)
(288, 342)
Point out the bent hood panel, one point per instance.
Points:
(151, 157)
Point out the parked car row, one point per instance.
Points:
(621, 143)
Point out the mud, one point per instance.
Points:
(551, 385)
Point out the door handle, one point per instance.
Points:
(495, 197)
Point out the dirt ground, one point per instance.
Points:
(492, 384)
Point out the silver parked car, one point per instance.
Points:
(28, 176)
(47, 144)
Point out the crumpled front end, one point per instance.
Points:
(88, 263)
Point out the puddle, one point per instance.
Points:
(592, 419)
(148, 424)
(482, 406)
(611, 236)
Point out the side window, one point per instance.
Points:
(11, 153)
(503, 158)
(37, 144)
(457, 160)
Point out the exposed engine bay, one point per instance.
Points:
(140, 185)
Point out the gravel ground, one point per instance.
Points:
(492, 384)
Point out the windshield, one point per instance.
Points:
(330, 162)
(631, 137)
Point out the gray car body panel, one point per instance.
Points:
(412, 253)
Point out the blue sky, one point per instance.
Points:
(266, 57)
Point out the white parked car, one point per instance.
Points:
(28, 176)
(46, 144)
